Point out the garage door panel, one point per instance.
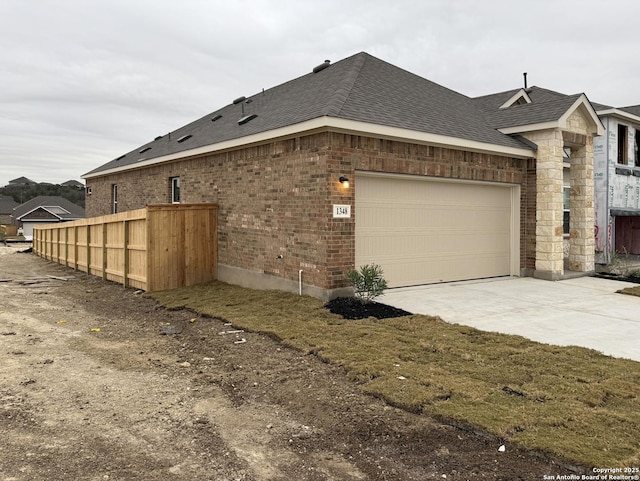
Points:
(423, 231)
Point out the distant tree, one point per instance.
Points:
(23, 193)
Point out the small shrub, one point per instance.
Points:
(368, 282)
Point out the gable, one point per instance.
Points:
(39, 213)
(550, 115)
(578, 122)
(69, 209)
(519, 98)
(582, 118)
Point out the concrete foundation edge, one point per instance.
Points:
(260, 280)
(559, 276)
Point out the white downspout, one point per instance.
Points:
(300, 281)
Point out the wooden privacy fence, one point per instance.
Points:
(156, 248)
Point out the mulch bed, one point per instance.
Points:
(619, 277)
(352, 308)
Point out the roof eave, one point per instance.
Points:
(561, 123)
(619, 113)
(321, 124)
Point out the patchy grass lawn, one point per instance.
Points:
(631, 291)
(567, 401)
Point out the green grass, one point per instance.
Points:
(631, 291)
(570, 402)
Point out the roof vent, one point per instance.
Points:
(322, 66)
(121, 157)
(158, 137)
(142, 151)
(247, 118)
(184, 137)
(239, 99)
(217, 117)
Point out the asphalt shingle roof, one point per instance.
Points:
(493, 102)
(361, 88)
(533, 113)
(22, 181)
(366, 89)
(75, 211)
(7, 204)
(633, 109)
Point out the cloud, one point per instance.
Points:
(82, 81)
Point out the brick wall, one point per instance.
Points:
(275, 199)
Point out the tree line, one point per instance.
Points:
(23, 193)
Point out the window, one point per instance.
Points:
(114, 198)
(175, 189)
(623, 154)
(637, 147)
(566, 202)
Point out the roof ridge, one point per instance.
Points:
(343, 90)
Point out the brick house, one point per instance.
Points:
(360, 162)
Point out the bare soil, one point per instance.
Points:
(99, 382)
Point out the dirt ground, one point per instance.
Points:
(100, 383)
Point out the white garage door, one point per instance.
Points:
(425, 230)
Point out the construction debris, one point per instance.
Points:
(170, 330)
(237, 331)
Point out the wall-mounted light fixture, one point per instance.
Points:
(344, 181)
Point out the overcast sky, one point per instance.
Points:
(84, 81)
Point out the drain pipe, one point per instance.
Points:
(300, 281)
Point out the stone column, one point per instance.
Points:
(549, 212)
(582, 215)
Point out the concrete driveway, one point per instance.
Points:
(582, 312)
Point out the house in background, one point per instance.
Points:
(617, 182)
(44, 210)
(7, 204)
(22, 181)
(73, 183)
(362, 162)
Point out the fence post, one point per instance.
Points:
(125, 253)
(75, 247)
(104, 250)
(66, 246)
(88, 248)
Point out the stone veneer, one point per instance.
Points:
(275, 199)
(549, 263)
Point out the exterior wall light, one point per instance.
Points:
(344, 181)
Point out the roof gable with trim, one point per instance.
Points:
(56, 205)
(546, 110)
